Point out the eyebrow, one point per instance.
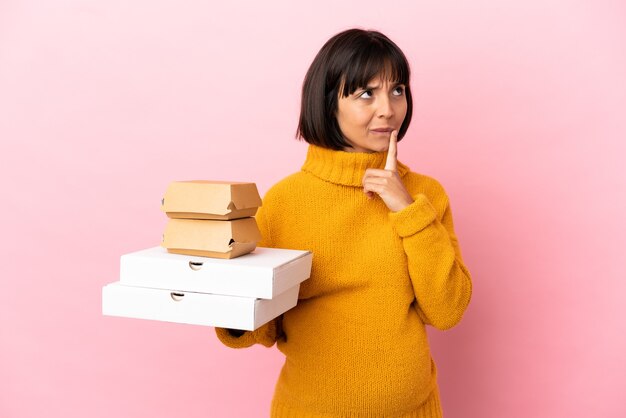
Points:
(377, 87)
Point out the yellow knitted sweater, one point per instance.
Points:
(356, 345)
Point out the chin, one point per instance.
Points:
(379, 147)
(370, 146)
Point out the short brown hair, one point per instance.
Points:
(350, 59)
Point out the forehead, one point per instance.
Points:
(380, 80)
(358, 76)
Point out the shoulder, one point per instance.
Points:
(423, 183)
(289, 188)
(418, 183)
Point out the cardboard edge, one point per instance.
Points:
(298, 267)
(227, 216)
(245, 195)
(237, 250)
(267, 309)
(245, 228)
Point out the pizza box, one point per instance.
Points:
(262, 274)
(194, 308)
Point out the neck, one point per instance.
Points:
(345, 168)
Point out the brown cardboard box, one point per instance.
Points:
(211, 238)
(204, 199)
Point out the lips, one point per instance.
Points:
(382, 130)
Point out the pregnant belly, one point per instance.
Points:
(346, 362)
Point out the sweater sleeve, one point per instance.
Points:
(441, 282)
(266, 334)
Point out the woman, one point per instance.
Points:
(386, 261)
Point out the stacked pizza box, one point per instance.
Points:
(208, 270)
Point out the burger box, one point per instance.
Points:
(195, 308)
(263, 274)
(205, 199)
(211, 238)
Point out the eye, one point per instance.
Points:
(398, 91)
(367, 94)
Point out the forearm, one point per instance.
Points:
(441, 282)
(265, 335)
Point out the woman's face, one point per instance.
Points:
(367, 116)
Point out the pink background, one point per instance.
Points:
(520, 111)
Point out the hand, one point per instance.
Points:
(387, 183)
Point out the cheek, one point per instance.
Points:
(361, 117)
(353, 117)
(401, 110)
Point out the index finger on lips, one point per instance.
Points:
(392, 154)
(376, 172)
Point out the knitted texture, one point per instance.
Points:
(356, 344)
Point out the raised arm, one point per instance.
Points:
(441, 282)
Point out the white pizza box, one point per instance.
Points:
(195, 308)
(262, 274)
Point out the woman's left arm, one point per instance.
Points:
(441, 282)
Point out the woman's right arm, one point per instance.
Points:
(266, 334)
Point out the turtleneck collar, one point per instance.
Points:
(345, 168)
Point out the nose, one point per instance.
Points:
(385, 107)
